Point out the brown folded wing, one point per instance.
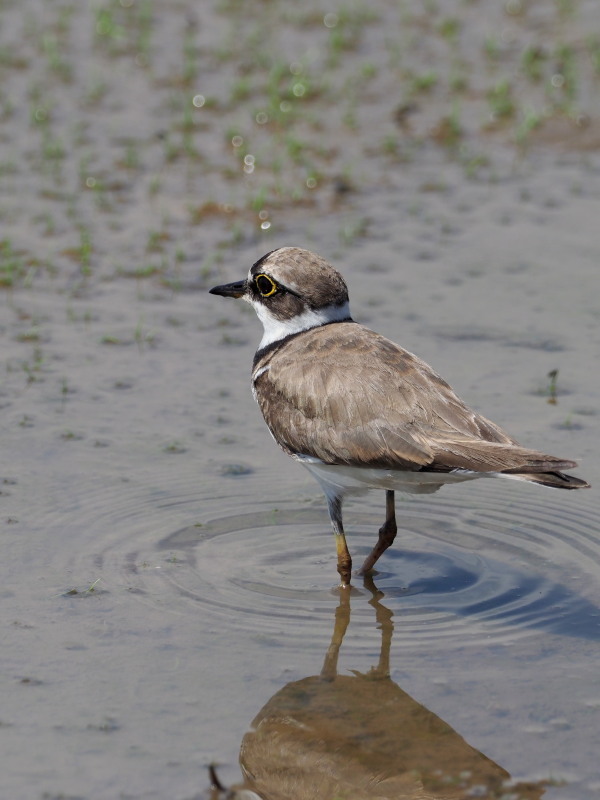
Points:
(347, 395)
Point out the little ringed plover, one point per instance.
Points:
(360, 412)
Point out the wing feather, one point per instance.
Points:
(314, 398)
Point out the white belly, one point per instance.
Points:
(353, 480)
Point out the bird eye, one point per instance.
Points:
(265, 285)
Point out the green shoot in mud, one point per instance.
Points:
(492, 49)
(190, 63)
(156, 241)
(132, 158)
(593, 48)
(85, 251)
(530, 120)
(502, 104)
(31, 335)
(13, 266)
(71, 436)
(33, 368)
(533, 62)
(91, 589)
(54, 52)
(423, 82)
(551, 389)
(65, 390)
(174, 448)
(353, 230)
(125, 28)
(142, 336)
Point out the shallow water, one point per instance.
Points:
(167, 574)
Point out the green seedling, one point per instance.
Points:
(145, 29)
(85, 251)
(33, 369)
(132, 156)
(593, 48)
(55, 54)
(190, 60)
(423, 82)
(449, 130)
(450, 29)
(551, 388)
(174, 447)
(501, 101)
(142, 336)
(532, 62)
(352, 230)
(530, 121)
(13, 265)
(562, 87)
(491, 48)
(74, 591)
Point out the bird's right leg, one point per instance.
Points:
(387, 534)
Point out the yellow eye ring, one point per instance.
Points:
(265, 285)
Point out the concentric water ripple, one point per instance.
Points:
(510, 564)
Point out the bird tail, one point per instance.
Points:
(554, 480)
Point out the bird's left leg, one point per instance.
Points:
(387, 534)
(344, 560)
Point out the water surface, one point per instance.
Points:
(168, 576)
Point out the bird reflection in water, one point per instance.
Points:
(360, 737)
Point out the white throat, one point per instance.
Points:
(276, 329)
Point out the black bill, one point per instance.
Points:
(236, 289)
